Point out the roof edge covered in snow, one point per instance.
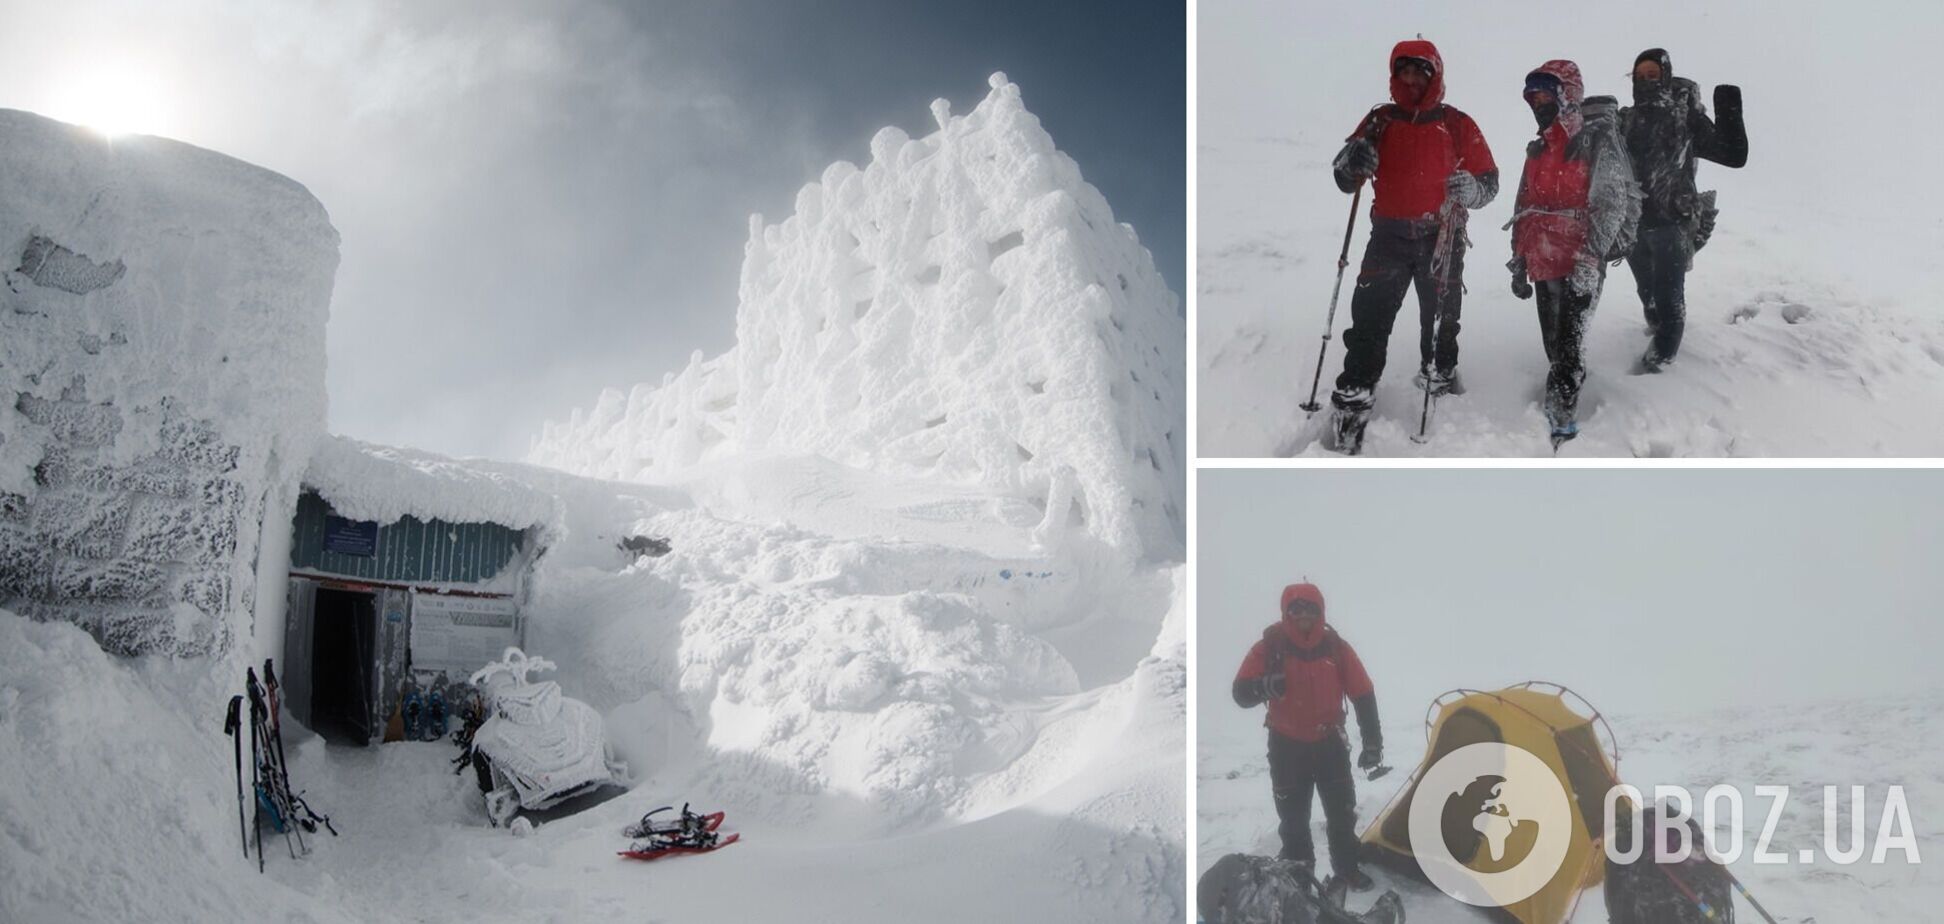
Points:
(366, 481)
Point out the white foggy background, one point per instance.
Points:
(1841, 150)
(1647, 591)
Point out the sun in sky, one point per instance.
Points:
(114, 97)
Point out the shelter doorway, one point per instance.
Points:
(344, 635)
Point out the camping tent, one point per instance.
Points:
(1535, 718)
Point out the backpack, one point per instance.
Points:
(1613, 196)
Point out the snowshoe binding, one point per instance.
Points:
(1651, 362)
(689, 833)
(435, 716)
(1439, 383)
(414, 713)
(1347, 421)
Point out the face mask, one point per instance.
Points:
(1646, 91)
(1545, 114)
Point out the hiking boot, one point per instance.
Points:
(1348, 420)
(1440, 382)
(1652, 362)
(1356, 879)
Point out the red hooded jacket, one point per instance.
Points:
(1320, 670)
(1420, 143)
(1550, 218)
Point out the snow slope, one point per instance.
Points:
(963, 307)
(1874, 742)
(1813, 324)
(896, 725)
(162, 316)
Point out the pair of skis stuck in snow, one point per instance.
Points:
(275, 803)
(655, 838)
(1347, 425)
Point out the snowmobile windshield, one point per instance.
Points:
(532, 704)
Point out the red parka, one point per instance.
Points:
(1421, 143)
(1551, 217)
(1320, 670)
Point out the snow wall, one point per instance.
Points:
(963, 307)
(162, 313)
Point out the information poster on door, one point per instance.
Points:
(460, 635)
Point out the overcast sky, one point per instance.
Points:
(1648, 591)
(540, 200)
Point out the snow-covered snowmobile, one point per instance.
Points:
(540, 747)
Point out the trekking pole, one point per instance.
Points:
(1329, 324)
(1751, 899)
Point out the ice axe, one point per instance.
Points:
(1329, 324)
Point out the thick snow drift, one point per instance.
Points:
(162, 316)
(964, 307)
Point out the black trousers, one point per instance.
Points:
(1300, 770)
(1397, 257)
(1563, 317)
(1659, 262)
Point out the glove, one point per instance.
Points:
(1521, 287)
(1272, 687)
(1359, 159)
(1464, 189)
(1370, 758)
(1586, 274)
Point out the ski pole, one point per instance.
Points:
(256, 793)
(233, 727)
(1329, 323)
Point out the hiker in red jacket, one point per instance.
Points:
(1304, 671)
(1428, 164)
(1578, 209)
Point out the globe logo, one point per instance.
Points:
(1490, 824)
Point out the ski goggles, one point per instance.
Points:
(1542, 83)
(1398, 66)
(1303, 608)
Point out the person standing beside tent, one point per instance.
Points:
(1426, 161)
(1578, 207)
(1666, 128)
(1303, 670)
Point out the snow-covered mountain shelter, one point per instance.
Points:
(404, 566)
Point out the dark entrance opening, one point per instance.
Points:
(344, 633)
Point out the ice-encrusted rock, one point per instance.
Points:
(162, 314)
(966, 307)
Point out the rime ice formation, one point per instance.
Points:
(162, 316)
(964, 307)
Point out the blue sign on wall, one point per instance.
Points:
(350, 537)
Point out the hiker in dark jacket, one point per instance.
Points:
(1428, 163)
(1578, 206)
(1667, 128)
(1304, 671)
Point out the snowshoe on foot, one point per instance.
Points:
(1440, 383)
(1347, 421)
(1563, 432)
(1652, 362)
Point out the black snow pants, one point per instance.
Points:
(1659, 261)
(1299, 770)
(1563, 318)
(1398, 256)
